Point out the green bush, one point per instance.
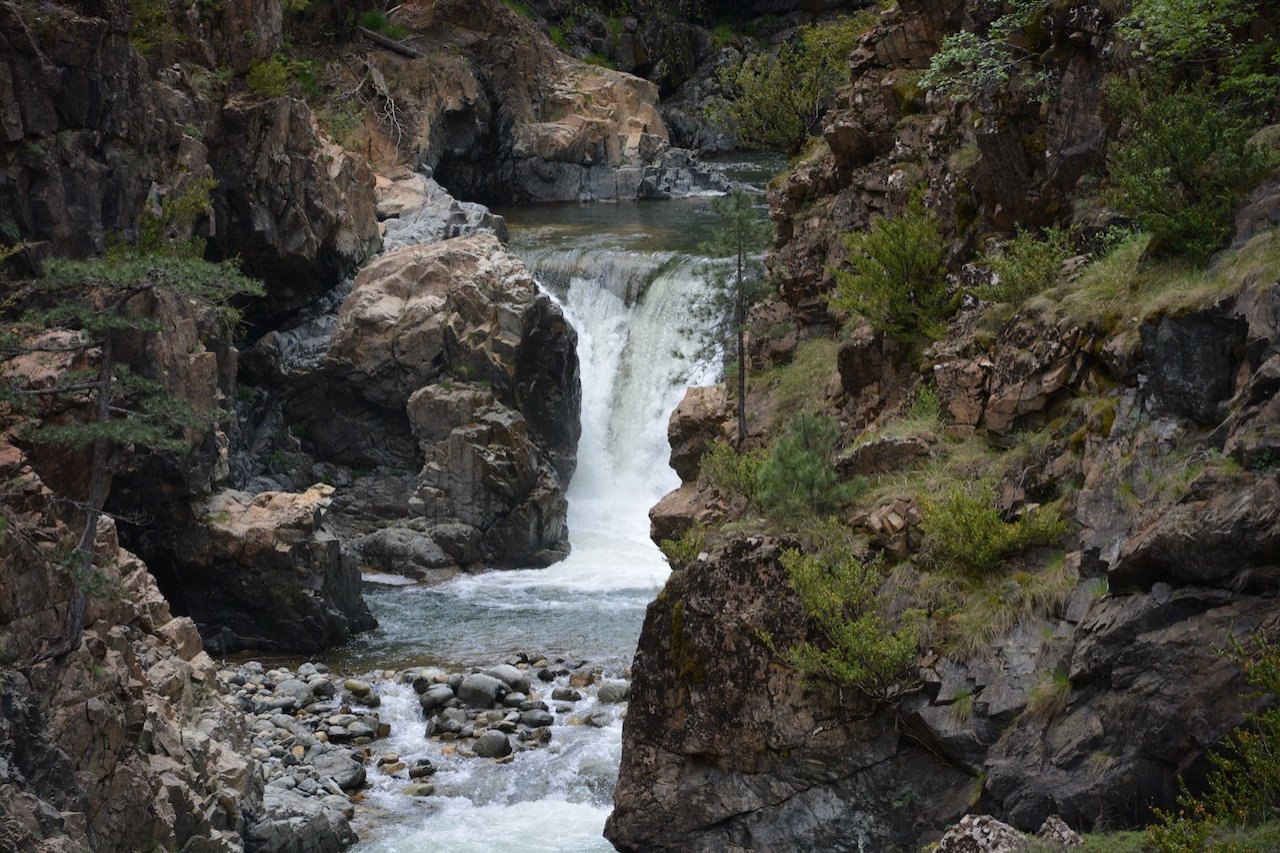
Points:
(971, 65)
(859, 647)
(733, 472)
(685, 548)
(1183, 167)
(776, 101)
(964, 532)
(519, 8)
(1222, 37)
(152, 29)
(798, 480)
(1025, 265)
(1243, 786)
(380, 23)
(269, 78)
(897, 276)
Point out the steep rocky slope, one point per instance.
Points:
(1082, 678)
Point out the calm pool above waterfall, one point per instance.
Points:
(625, 274)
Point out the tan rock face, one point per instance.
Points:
(457, 337)
(697, 423)
(503, 115)
(409, 308)
(262, 572)
(127, 742)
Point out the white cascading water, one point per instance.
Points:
(630, 309)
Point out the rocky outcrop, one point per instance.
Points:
(127, 741)
(726, 748)
(1155, 438)
(989, 161)
(521, 122)
(94, 130)
(261, 572)
(296, 209)
(445, 360)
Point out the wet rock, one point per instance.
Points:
(613, 692)
(536, 718)
(492, 745)
(340, 767)
(516, 680)
(435, 696)
(478, 690)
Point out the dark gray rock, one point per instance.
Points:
(478, 690)
(514, 678)
(1191, 362)
(338, 765)
(435, 696)
(536, 718)
(613, 692)
(492, 745)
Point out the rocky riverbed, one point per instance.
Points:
(321, 740)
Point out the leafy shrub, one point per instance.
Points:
(733, 472)
(682, 551)
(897, 276)
(860, 649)
(799, 481)
(1183, 167)
(964, 532)
(521, 9)
(269, 78)
(1243, 785)
(1221, 36)
(152, 28)
(776, 101)
(971, 64)
(380, 23)
(1025, 265)
(558, 38)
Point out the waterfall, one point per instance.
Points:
(630, 309)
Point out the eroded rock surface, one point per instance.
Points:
(725, 748)
(262, 572)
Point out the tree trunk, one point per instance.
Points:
(81, 563)
(740, 320)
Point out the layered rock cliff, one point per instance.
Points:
(1083, 679)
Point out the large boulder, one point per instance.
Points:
(724, 748)
(261, 572)
(455, 340)
(296, 209)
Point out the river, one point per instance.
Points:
(624, 274)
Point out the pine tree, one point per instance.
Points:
(82, 311)
(799, 480)
(721, 319)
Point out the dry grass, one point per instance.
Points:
(1121, 291)
(1049, 698)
